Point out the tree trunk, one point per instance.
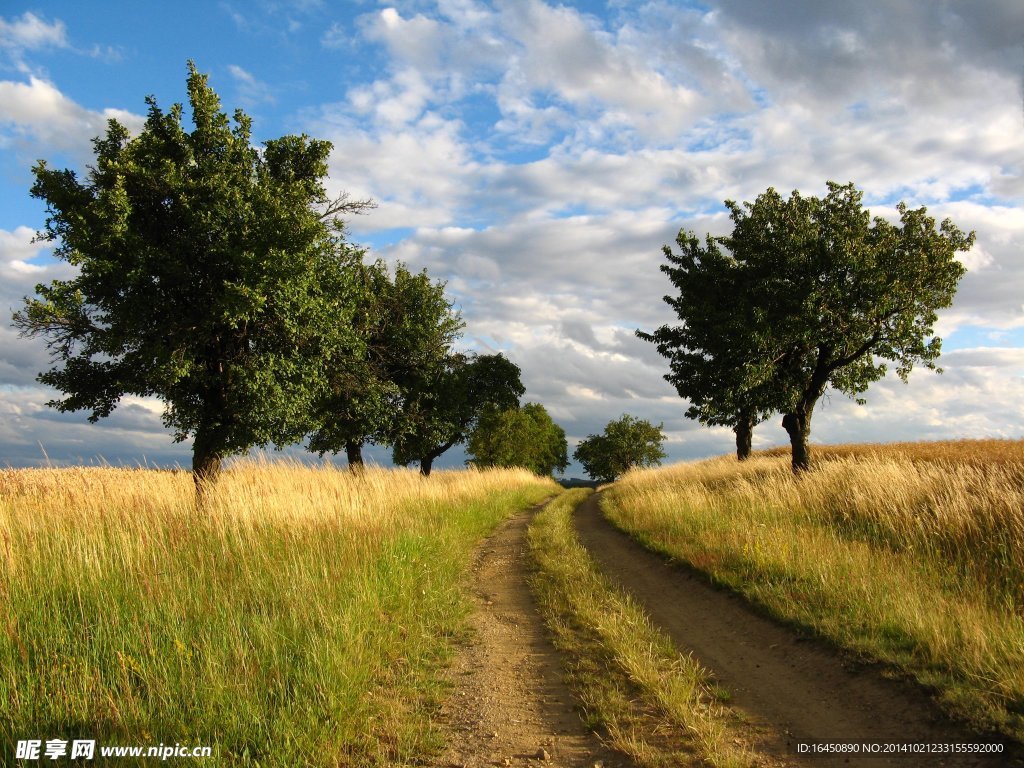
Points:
(798, 425)
(744, 430)
(354, 454)
(206, 464)
(427, 462)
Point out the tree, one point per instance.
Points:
(406, 327)
(811, 294)
(718, 359)
(625, 443)
(836, 294)
(519, 437)
(441, 406)
(211, 274)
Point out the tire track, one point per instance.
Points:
(799, 688)
(511, 705)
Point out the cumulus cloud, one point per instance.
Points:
(562, 52)
(37, 116)
(583, 225)
(922, 54)
(36, 435)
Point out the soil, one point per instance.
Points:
(786, 684)
(511, 706)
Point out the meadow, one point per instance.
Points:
(908, 554)
(301, 618)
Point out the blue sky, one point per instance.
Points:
(537, 155)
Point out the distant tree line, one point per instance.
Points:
(804, 295)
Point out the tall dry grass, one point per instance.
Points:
(984, 452)
(902, 553)
(298, 619)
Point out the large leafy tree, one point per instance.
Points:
(212, 274)
(718, 355)
(519, 437)
(442, 405)
(406, 327)
(806, 293)
(839, 295)
(626, 442)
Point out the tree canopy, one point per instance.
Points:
(519, 437)
(406, 327)
(442, 405)
(828, 297)
(626, 442)
(718, 354)
(212, 274)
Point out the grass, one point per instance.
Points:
(908, 554)
(651, 702)
(299, 620)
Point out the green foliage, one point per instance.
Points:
(406, 327)
(625, 443)
(519, 437)
(718, 356)
(211, 274)
(841, 293)
(812, 294)
(441, 406)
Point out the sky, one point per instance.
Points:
(538, 155)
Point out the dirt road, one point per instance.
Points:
(798, 687)
(511, 706)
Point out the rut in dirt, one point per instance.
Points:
(799, 688)
(511, 706)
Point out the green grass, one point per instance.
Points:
(892, 554)
(649, 701)
(302, 619)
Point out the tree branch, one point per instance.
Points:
(344, 203)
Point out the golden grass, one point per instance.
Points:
(975, 452)
(902, 553)
(298, 619)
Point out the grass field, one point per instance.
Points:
(299, 620)
(912, 554)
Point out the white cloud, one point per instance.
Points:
(251, 92)
(17, 249)
(417, 42)
(335, 37)
(29, 32)
(419, 172)
(20, 271)
(36, 114)
(393, 103)
(570, 56)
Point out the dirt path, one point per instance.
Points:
(511, 706)
(799, 689)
